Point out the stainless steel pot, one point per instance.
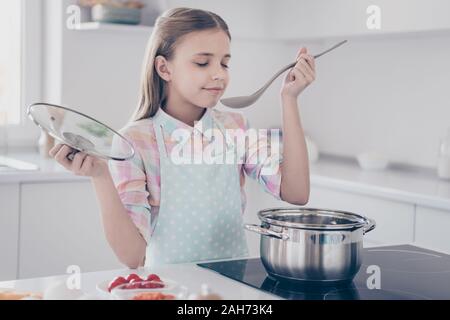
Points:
(311, 245)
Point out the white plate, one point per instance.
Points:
(102, 287)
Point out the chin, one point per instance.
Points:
(210, 106)
(208, 103)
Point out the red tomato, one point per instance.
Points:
(133, 276)
(134, 280)
(134, 285)
(152, 285)
(117, 281)
(153, 277)
(143, 285)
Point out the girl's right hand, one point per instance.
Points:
(300, 76)
(82, 164)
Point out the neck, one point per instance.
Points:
(183, 110)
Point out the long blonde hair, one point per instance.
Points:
(169, 27)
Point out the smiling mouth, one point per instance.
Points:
(214, 90)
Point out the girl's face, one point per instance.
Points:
(200, 63)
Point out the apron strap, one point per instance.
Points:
(160, 140)
(223, 131)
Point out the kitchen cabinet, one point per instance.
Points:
(9, 230)
(294, 20)
(395, 220)
(60, 226)
(302, 19)
(432, 229)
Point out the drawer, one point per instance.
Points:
(395, 220)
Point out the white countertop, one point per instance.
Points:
(403, 183)
(48, 169)
(189, 275)
(409, 184)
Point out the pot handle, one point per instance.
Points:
(266, 232)
(370, 225)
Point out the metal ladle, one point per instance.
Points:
(245, 101)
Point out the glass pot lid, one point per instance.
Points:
(81, 132)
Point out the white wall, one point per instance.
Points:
(388, 95)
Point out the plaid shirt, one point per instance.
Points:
(138, 180)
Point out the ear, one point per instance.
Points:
(162, 67)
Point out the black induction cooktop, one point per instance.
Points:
(403, 272)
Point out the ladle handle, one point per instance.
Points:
(291, 65)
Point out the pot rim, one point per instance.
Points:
(267, 216)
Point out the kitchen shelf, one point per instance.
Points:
(146, 30)
(114, 27)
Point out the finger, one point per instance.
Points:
(303, 50)
(77, 161)
(53, 151)
(61, 156)
(301, 73)
(312, 62)
(306, 68)
(289, 76)
(292, 75)
(87, 165)
(303, 70)
(298, 75)
(309, 59)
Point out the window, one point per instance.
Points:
(20, 69)
(10, 61)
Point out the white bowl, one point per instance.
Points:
(372, 161)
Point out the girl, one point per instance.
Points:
(155, 211)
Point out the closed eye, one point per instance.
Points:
(205, 64)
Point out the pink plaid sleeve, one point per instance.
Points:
(264, 166)
(131, 183)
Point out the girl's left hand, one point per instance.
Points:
(300, 76)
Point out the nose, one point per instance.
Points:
(219, 74)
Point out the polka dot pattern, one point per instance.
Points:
(200, 213)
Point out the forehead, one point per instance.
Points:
(204, 43)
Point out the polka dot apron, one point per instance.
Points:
(199, 216)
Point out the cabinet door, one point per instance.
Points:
(432, 229)
(304, 19)
(61, 226)
(395, 220)
(9, 230)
